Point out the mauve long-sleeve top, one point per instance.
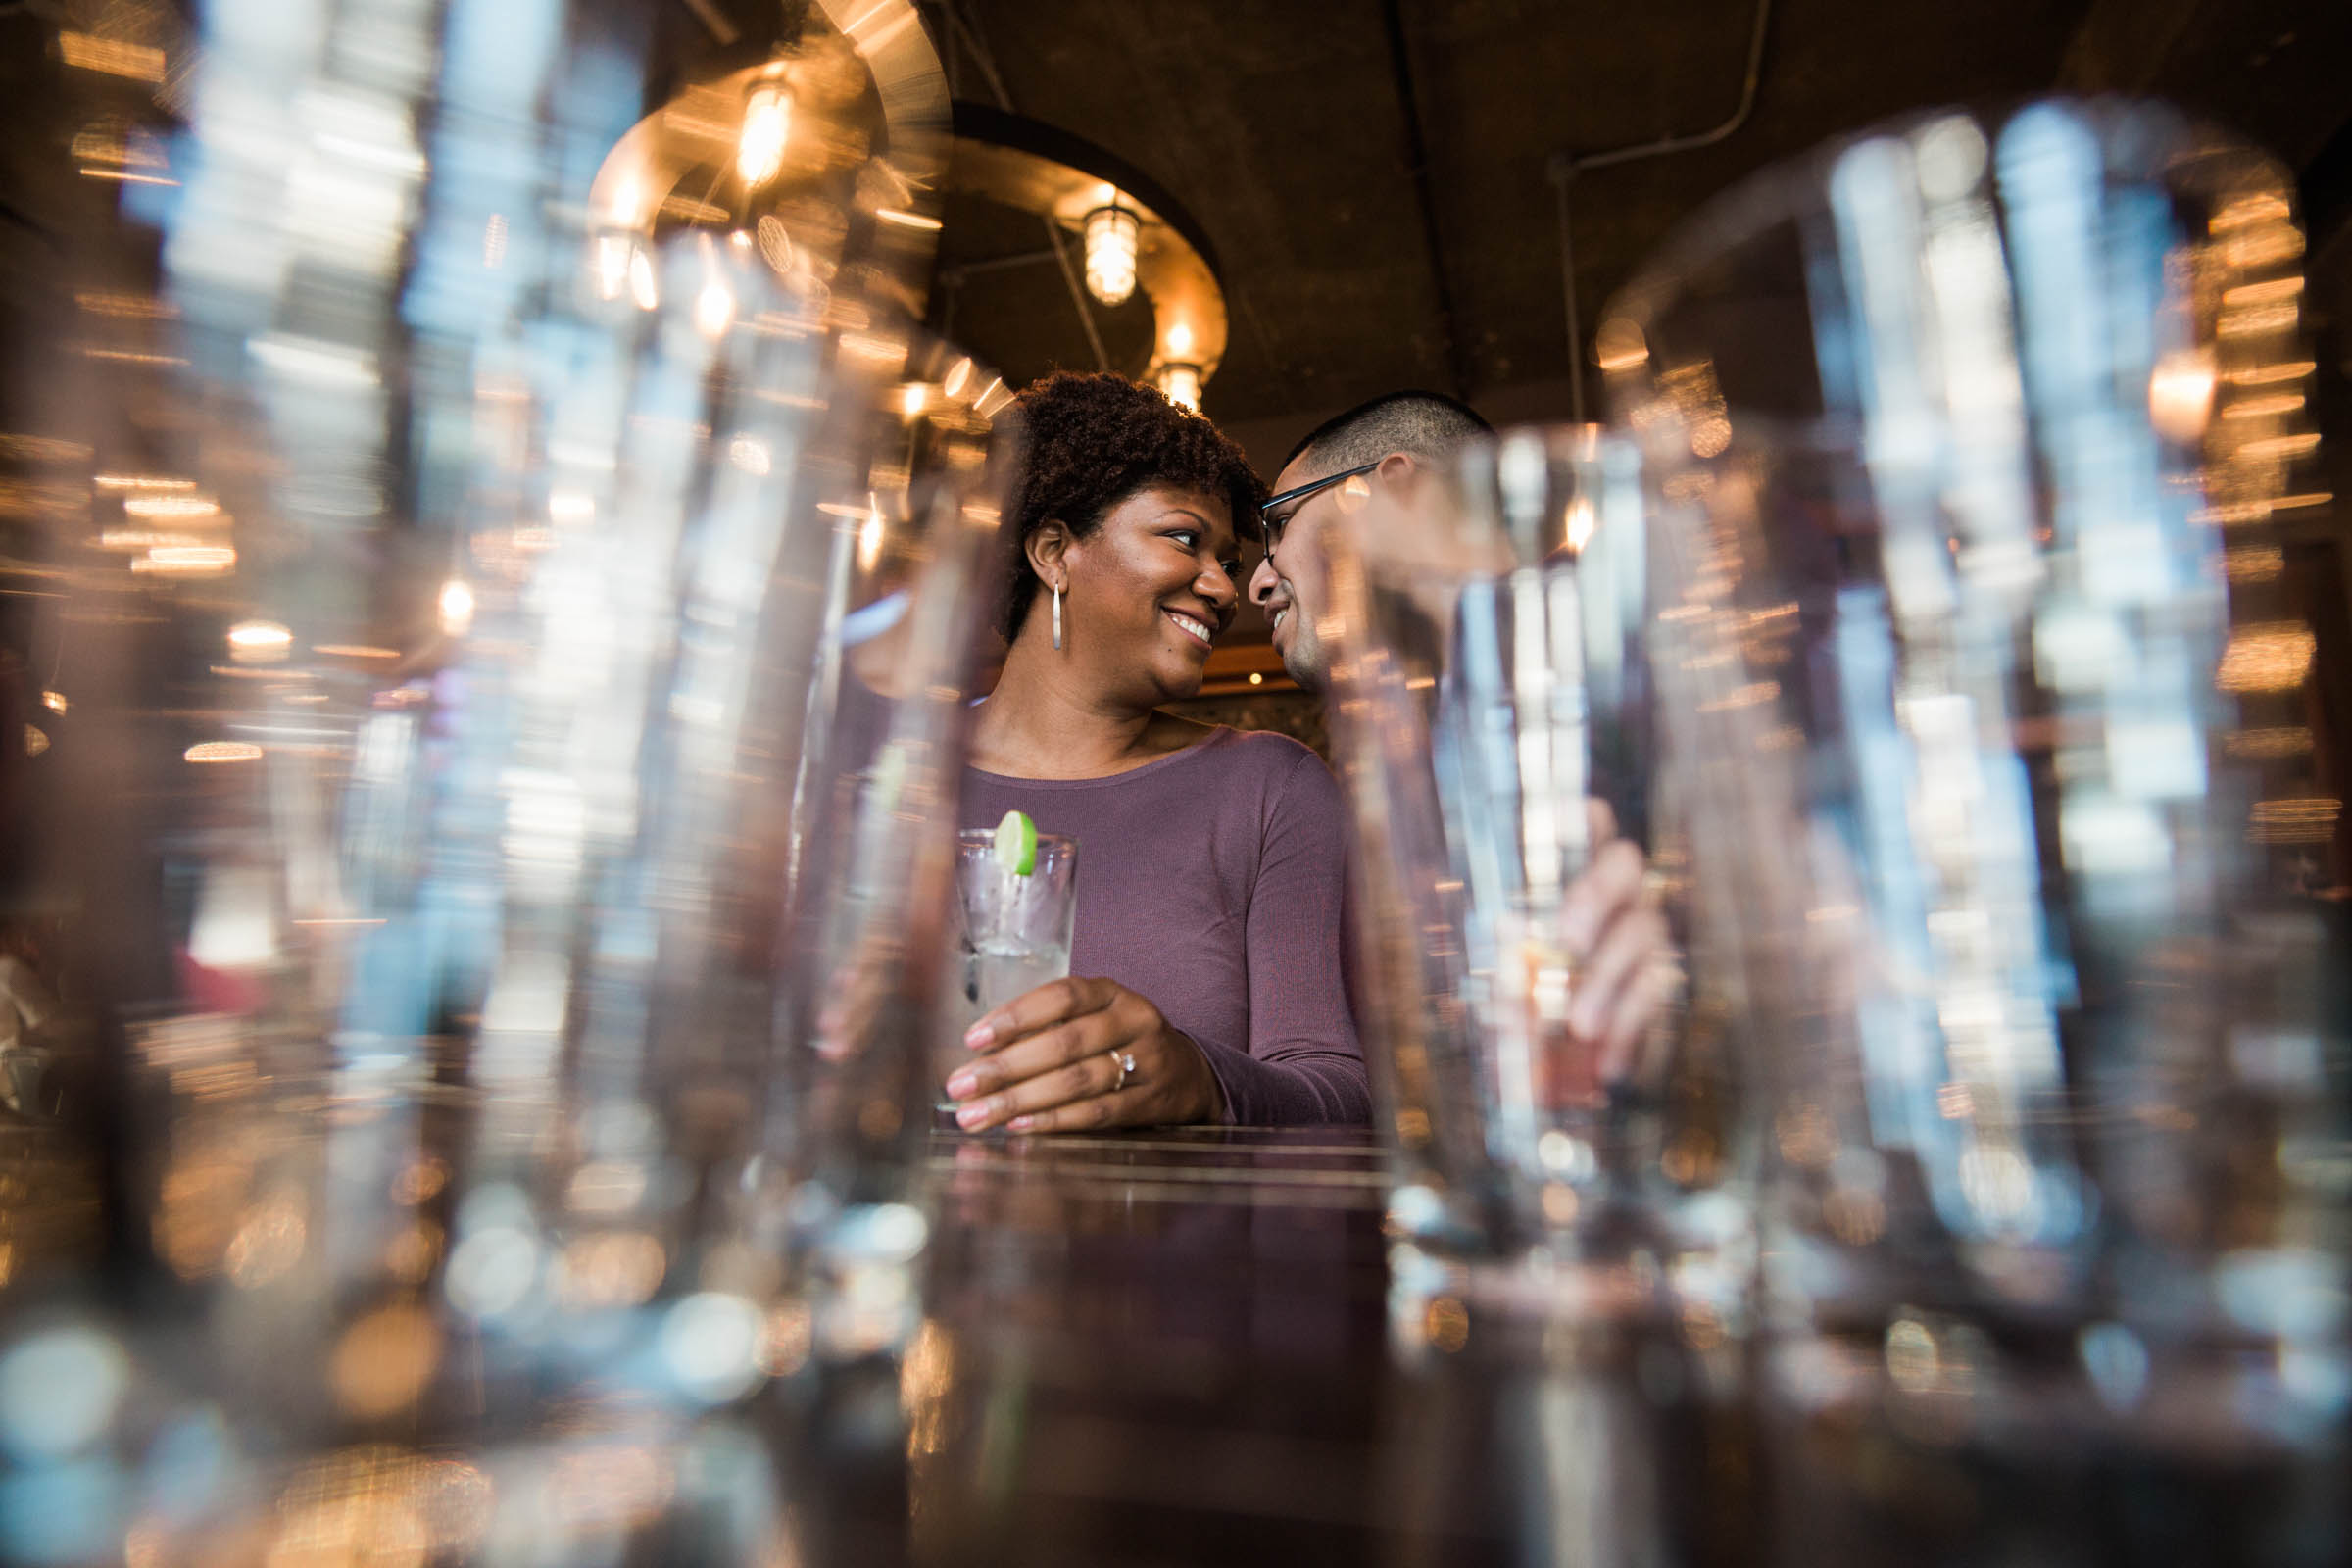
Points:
(1213, 882)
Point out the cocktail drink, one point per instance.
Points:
(1537, 1058)
(998, 968)
(1016, 928)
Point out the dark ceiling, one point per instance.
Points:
(1290, 130)
(1283, 127)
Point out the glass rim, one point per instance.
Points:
(1788, 190)
(987, 836)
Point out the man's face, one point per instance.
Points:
(1288, 584)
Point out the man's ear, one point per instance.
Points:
(1398, 469)
(1046, 548)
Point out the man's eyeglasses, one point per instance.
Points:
(1276, 513)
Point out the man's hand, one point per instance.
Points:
(1611, 922)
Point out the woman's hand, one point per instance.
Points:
(1054, 1060)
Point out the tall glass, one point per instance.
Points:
(1971, 440)
(1484, 635)
(1014, 937)
(463, 478)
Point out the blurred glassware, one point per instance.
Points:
(509, 600)
(869, 957)
(1948, 427)
(1487, 636)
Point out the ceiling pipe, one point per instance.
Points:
(1564, 167)
(961, 271)
(1416, 151)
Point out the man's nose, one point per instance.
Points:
(1263, 579)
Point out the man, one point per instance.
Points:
(1388, 458)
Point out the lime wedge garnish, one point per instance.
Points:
(1016, 843)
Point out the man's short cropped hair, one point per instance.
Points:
(1429, 426)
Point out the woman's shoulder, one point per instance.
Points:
(1266, 749)
(1236, 751)
(1279, 772)
(1172, 734)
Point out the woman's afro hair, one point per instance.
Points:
(1094, 440)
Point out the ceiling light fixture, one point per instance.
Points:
(1179, 373)
(613, 253)
(1182, 384)
(713, 307)
(1137, 244)
(1111, 236)
(185, 560)
(259, 640)
(456, 605)
(766, 123)
(223, 751)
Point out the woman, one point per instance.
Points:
(1207, 981)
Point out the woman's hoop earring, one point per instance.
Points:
(1057, 617)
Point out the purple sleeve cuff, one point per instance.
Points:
(1314, 1088)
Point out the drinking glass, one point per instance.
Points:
(1016, 933)
(1972, 442)
(457, 680)
(1486, 630)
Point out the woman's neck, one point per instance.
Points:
(1041, 721)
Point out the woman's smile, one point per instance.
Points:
(1150, 589)
(1199, 631)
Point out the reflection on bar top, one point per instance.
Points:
(1304, 1167)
